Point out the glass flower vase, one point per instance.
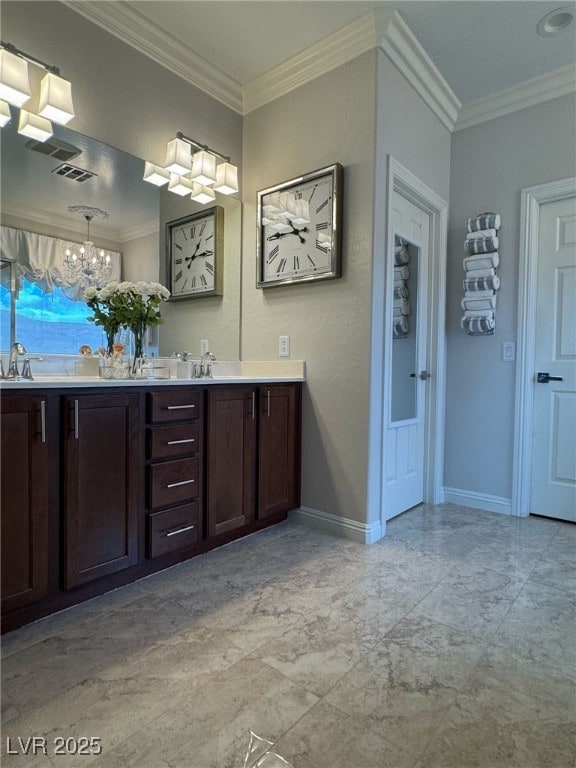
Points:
(139, 338)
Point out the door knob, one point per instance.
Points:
(424, 375)
(544, 378)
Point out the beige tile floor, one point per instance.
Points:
(449, 644)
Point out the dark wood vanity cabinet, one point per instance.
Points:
(102, 485)
(24, 487)
(253, 454)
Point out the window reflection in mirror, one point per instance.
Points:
(404, 340)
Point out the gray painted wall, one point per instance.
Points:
(491, 164)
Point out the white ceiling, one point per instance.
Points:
(479, 46)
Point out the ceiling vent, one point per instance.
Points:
(74, 173)
(54, 148)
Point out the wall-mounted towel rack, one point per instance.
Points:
(481, 281)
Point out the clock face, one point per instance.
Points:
(299, 230)
(193, 253)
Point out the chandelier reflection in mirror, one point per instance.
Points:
(86, 264)
(197, 174)
(55, 100)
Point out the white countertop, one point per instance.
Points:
(75, 382)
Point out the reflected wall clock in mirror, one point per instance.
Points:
(300, 229)
(195, 254)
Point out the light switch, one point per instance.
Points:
(508, 352)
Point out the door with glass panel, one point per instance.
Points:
(403, 470)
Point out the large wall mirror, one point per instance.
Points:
(39, 182)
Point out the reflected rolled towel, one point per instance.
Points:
(401, 273)
(481, 233)
(401, 326)
(488, 261)
(401, 307)
(481, 244)
(482, 324)
(400, 290)
(486, 283)
(401, 255)
(483, 221)
(488, 303)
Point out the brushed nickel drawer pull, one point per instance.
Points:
(181, 530)
(179, 407)
(179, 442)
(43, 420)
(182, 482)
(76, 421)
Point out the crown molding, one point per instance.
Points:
(559, 82)
(402, 47)
(134, 29)
(138, 231)
(56, 221)
(340, 47)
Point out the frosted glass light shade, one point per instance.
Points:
(202, 194)
(179, 185)
(203, 168)
(14, 85)
(273, 203)
(302, 209)
(178, 157)
(226, 179)
(56, 99)
(5, 115)
(155, 175)
(34, 126)
(280, 225)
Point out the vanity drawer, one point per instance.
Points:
(173, 481)
(173, 529)
(176, 405)
(177, 440)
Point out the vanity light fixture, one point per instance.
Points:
(87, 264)
(55, 101)
(197, 172)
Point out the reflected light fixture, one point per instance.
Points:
(197, 172)
(55, 101)
(284, 212)
(87, 265)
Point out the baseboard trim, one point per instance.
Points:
(476, 500)
(340, 526)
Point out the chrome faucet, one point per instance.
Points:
(26, 370)
(203, 369)
(15, 350)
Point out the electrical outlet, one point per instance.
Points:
(204, 346)
(284, 346)
(508, 352)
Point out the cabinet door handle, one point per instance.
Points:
(179, 407)
(43, 421)
(253, 405)
(179, 442)
(181, 530)
(76, 421)
(268, 404)
(182, 482)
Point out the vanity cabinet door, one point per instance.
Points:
(279, 449)
(102, 485)
(231, 458)
(24, 500)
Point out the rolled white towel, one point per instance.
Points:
(479, 294)
(401, 273)
(488, 261)
(478, 313)
(477, 324)
(486, 220)
(481, 244)
(401, 326)
(401, 307)
(481, 233)
(474, 274)
(488, 303)
(482, 283)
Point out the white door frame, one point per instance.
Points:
(402, 181)
(532, 199)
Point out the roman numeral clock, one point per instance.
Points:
(300, 229)
(195, 254)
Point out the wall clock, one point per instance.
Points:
(195, 254)
(300, 229)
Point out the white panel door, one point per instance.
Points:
(403, 470)
(553, 491)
